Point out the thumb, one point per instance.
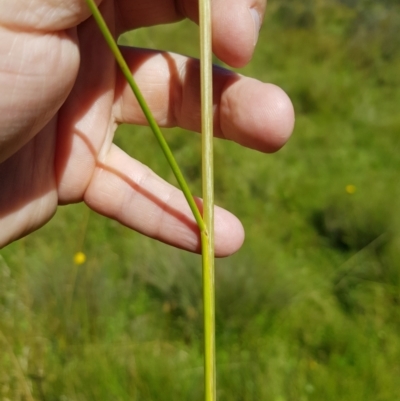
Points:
(43, 15)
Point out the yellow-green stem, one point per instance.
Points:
(207, 237)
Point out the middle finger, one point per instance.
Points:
(254, 114)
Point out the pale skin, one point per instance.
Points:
(62, 97)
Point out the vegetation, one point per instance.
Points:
(307, 310)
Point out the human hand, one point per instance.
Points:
(62, 97)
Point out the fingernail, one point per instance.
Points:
(257, 23)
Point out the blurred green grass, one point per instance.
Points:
(307, 310)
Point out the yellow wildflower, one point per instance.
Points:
(350, 189)
(79, 258)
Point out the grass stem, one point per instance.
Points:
(207, 237)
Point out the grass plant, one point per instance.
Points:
(206, 222)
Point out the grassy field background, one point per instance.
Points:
(309, 309)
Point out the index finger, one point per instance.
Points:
(235, 23)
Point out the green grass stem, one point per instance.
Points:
(207, 237)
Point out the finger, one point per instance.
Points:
(129, 192)
(235, 23)
(257, 115)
